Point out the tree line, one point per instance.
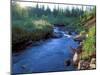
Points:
(40, 11)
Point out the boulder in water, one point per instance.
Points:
(57, 35)
(67, 62)
(80, 38)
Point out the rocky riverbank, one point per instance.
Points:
(84, 63)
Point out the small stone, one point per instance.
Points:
(83, 65)
(92, 66)
(93, 61)
(80, 64)
(86, 65)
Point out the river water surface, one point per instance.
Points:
(47, 57)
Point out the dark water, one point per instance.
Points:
(47, 57)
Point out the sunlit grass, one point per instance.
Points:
(89, 44)
(30, 30)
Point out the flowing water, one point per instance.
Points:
(47, 57)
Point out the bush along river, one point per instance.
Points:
(48, 56)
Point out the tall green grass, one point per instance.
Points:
(89, 44)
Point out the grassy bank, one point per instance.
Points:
(89, 45)
(24, 31)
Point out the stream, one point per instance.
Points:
(47, 57)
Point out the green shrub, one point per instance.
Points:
(89, 43)
(23, 31)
